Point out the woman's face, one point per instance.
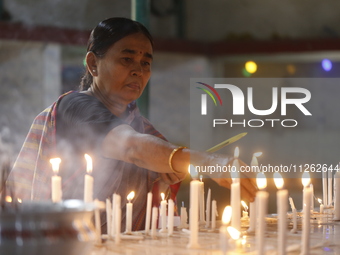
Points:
(124, 71)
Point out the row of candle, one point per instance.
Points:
(261, 209)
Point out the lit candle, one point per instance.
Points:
(226, 216)
(261, 207)
(108, 216)
(235, 192)
(129, 207)
(56, 181)
(322, 206)
(154, 222)
(245, 212)
(88, 187)
(118, 218)
(252, 218)
(214, 213)
(292, 205)
(184, 216)
(193, 220)
(163, 214)
(306, 214)
(201, 201)
(208, 208)
(337, 196)
(171, 212)
(252, 221)
(281, 200)
(148, 213)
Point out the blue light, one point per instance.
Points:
(326, 65)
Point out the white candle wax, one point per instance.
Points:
(171, 212)
(201, 203)
(235, 204)
(330, 187)
(213, 214)
(252, 218)
(312, 198)
(208, 208)
(118, 218)
(88, 189)
(148, 213)
(108, 216)
(184, 217)
(163, 215)
(294, 230)
(324, 188)
(336, 196)
(306, 221)
(193, 220)
(97, 222)
(129, 208)
(282, 199)
(261, 207)
(88, 186)
(56, 189)
(113, 215)
(154, 222)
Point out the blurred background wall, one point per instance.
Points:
(43, 44)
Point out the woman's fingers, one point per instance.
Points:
(171, 178)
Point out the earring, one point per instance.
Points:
(94, 70)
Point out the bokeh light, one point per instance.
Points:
(326, 64)
(251, 66)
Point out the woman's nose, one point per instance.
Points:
(137, 69)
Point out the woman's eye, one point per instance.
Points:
(146, 63)
(127, 59)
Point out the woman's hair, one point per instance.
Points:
(105, 34)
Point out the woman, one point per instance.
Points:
(103, 121)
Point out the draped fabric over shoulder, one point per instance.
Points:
(32, 172)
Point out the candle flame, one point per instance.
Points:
(130, 196)
(320, 200)
(233, 232)
(192, 171)
(55, 164)
(19, 200)
(305, 179)
(8, 199)
(257, 154)
(162, 196)
(278, 180)
(89, 163)
(236, 152)
(201, 178)
(244, 205)
(261, 180)
(226, 216)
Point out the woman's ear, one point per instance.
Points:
(91, 63)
